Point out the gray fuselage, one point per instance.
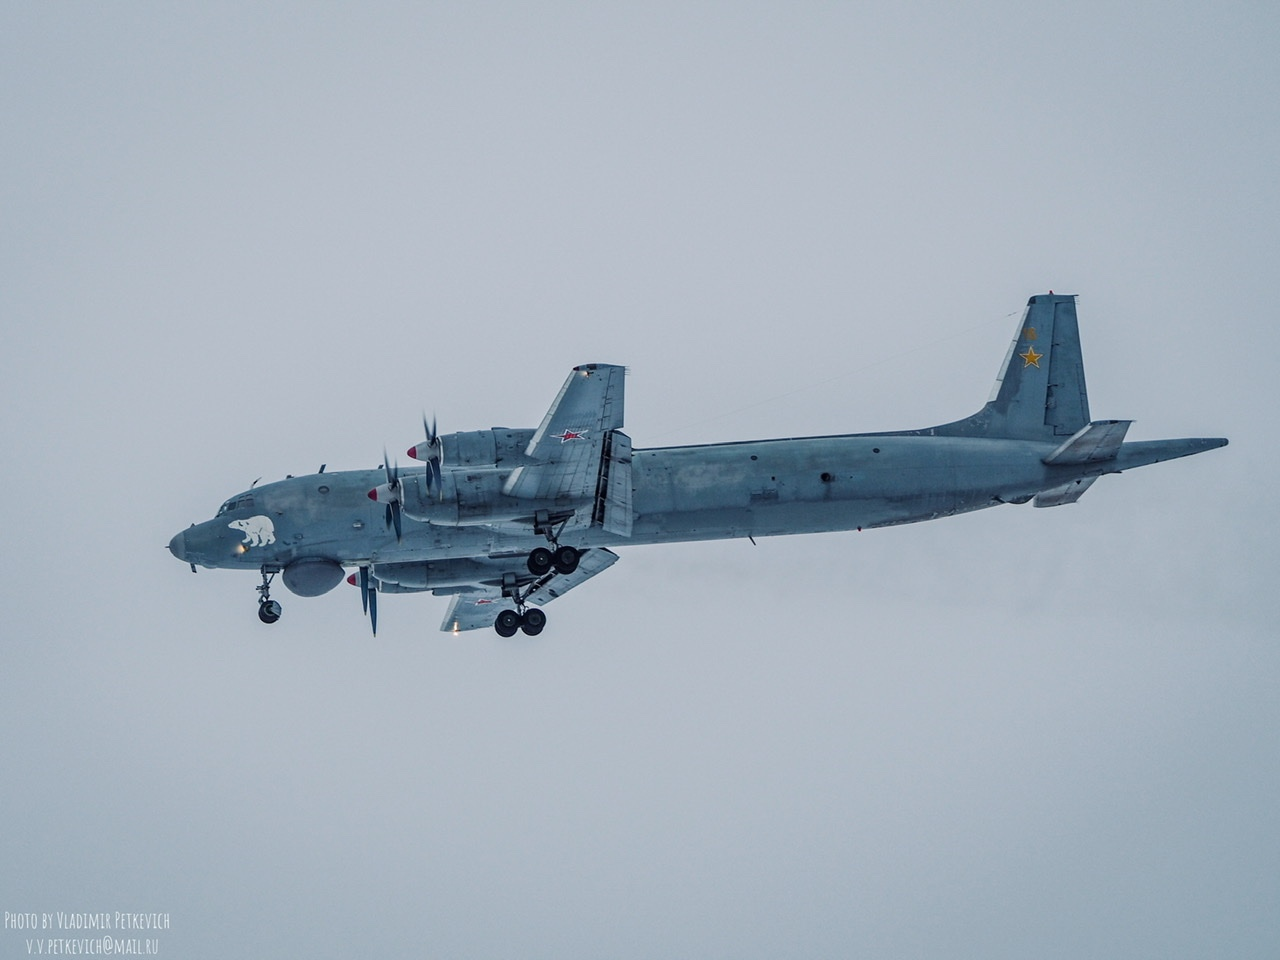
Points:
(719, 491)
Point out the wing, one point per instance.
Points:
(471, 611)
(568, 446)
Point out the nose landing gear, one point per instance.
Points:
(268, 610)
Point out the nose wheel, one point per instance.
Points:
(268, 610)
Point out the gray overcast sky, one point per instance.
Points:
(243, 240)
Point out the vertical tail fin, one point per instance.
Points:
(1040, 393)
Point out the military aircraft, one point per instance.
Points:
(507, 520)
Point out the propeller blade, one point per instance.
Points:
(430, 453)
(364, 590)
(373, 611)
(395, 519)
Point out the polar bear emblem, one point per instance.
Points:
(258, 531)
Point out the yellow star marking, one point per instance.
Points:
(1032, 358)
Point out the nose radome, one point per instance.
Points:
(178, 545)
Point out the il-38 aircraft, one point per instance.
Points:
(507, 520)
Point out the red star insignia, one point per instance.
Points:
(569, 435)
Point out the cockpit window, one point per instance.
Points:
(240, 503)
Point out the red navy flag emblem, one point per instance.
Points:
(569, 435)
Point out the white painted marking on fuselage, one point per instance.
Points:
(258, 531)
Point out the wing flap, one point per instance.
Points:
(613, 496)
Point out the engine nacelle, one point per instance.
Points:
(474, 466)
(435, 574)
(464, 496)
(476, 448)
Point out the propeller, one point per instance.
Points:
(389, 493)
(431, 452)
(368, 596)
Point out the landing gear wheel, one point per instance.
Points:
(540, 561)
(533, 621)
(507, 624)
(268, 609)
(566, 559)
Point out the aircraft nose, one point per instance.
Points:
(178, 545)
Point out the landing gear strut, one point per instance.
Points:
(268, 609)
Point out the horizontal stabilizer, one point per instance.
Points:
(1067, 493)
(1094, 443)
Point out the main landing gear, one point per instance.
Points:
(542, 559)
(564, 559)
(268, 610)
(541, 562)
(531, 622)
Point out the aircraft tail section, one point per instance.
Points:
(1040, 393)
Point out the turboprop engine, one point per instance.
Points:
(474, 448)
(463, 479)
